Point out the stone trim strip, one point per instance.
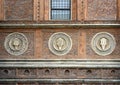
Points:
(58, 63)
(63, 80)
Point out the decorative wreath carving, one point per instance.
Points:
(16, 43)
(103, 43)
(60, 43)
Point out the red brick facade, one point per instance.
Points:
(30, 21)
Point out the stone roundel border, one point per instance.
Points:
(97, 35)
(65, 35)
(7, 48)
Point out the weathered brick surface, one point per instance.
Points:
(18, 9)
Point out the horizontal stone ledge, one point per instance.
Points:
(59, 25)
(58, 63)
(63, 80)
(60, 60)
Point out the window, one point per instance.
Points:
(60, 9)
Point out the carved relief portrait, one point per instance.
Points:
(16, 43)
(103, 43)
(60, 43)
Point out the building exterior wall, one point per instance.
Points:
(39, 10)
(31, 55)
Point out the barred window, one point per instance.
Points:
(60, 9)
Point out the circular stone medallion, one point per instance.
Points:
(60, 43)
(103, 43)
(16, 43)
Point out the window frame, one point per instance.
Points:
(50, 10)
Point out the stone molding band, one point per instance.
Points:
(63, 80)
(57, 63)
